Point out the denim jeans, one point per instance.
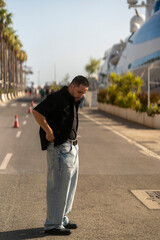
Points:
(62, 176)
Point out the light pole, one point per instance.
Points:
(149, 75)
(38, 77)
(149, 82)
(54, 72)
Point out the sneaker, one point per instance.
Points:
(71, 226)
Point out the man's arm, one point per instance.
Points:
(41, 120)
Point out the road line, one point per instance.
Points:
(6, 161)
(24, 105)
(18, 134)
(144, 149)
(14, 105)
(3, 104)
(24, 122)
(27, 116)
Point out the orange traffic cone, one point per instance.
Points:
(16, 123)
(32, 104)
(30, 109)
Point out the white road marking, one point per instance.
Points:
(24, 105)
(144, 149)
(6, 161)
(3, 104)
(27, 116)
(24, 122)
(14, 105)
(79, 136)
(18, 134)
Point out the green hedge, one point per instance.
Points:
(125, 91)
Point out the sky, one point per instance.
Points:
(60, 36)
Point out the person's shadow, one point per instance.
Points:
(23, 234)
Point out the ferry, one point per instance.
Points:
(140, 52)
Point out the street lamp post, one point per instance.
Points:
(149, 82)
(149, 75)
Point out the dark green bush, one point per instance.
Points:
(102, 95)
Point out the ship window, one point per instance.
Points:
(149, 30)
(129, 66)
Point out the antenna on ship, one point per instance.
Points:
(149, 5)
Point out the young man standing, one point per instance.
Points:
(57, 116)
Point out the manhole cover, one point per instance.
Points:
(150, 198)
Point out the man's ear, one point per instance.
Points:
(71, 86)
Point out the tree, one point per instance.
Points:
(93, 66)
(66, 78)
(12, 56)
(5, 21)
(2, 3)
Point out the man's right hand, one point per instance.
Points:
(43, 123)
(50, 136)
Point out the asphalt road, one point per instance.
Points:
(112, 163)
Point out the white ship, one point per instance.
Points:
(140, 52)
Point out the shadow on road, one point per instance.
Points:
(23, 234)
(117, 120)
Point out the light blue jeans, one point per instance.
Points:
(62, 176)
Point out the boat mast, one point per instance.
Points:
(149, 5)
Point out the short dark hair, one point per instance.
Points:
(78, 80)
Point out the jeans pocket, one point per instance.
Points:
(65, 148)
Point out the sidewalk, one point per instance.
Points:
(148, 137)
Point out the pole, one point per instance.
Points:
(38, 77)
(149, 75)
(54, 72)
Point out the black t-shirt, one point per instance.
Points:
(73, 134)
(61, 112)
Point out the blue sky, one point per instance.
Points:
(64, 34)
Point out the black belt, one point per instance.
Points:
(73, 142)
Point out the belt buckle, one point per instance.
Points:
(73, 142)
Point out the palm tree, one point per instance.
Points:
(93, 66)
(8, 32)
(5, 21)
(2, 4)
(10, 40)
(12, 56)
(22, 57)
(3, 13)
(16, 48)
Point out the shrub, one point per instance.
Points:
(143, 98)
(102, 95)
(153, 110)
(112, 93)
(124, 91)
(10, 90)
(1, 91)
(154, 97)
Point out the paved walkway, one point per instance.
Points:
(147, 137)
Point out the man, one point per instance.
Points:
(57, 116)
